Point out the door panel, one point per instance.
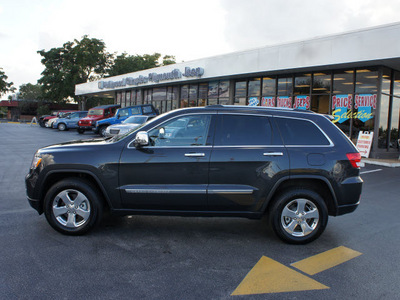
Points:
(246, 162)
(172, 172)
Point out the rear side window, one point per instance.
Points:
(301, 132)
(147, 110)
(239, 130)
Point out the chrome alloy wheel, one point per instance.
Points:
(300, 217)
(71, 208)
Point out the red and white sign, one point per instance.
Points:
(302, 102)
(364, 143)
(284, 101)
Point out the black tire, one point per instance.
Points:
(73, 206)
(298, 216)
(81, 131)
(102, 131)
(62, 127)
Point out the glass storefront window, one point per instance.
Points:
(302, 84)
(396, 84)
(193, 92)
(128, 98)
(213, 89)
(184, 96)
(366, 81)
(240, 89)
(268, 86)
(119, 98)
(223, 89)
(203, 91)
(343, 82)
(254, 87)
(394, 128)
(383, 122)
(239, 101)
(123, 99)
(133, 97)
(321, 83)
(139, 99)
(160, 94)
(320, 104)
(363, 113)
(386, 79)
(341, 106)
(285, 86)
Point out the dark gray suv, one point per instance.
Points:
(295, 166)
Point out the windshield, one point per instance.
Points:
(95, 112)
(135, 120)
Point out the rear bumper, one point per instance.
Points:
(345, 209)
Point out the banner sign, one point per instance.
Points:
(364, 143)
(284, 101)
(253, 101)
(302, 102)
(365, 103)
(268, 101)
(341, 107)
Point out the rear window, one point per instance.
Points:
(301, 132)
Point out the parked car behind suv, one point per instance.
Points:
(70, 121)
(127, 125)
(122, 114)
(95, 114)
(295, 166)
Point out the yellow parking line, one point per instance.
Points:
(325, 260)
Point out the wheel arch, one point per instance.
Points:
(320, 185)
(57, 175)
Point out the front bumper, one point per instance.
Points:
(36, 204)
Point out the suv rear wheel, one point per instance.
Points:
(299, 216)
(73, 206)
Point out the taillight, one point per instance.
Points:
(355, 159)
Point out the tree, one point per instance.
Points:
(125, 63)
(30, 91)
(5, 86)
(73, 63)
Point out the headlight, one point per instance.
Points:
(37, 159)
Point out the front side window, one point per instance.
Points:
(189, 130)
(238, 130)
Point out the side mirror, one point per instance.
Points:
(142, 139)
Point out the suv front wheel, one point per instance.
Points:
(299, 216)
(73, 206)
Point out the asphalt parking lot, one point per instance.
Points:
(146, 257)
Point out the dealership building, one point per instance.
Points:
(353, 76)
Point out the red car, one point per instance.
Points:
(95, 114)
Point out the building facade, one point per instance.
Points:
(354, 76)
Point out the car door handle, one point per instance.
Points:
(273, 154)
(195, 154)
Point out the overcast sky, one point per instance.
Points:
(187, 29)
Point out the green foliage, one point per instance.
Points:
(5, 86)
(30, 92)
(43, 110)
(125, 63)
(96, 101)
(73, 63)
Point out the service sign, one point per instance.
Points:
(364, 143)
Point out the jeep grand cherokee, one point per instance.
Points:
(295, 166)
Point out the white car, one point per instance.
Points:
(129, 124)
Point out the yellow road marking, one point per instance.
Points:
(269, 276)
(325, 260)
